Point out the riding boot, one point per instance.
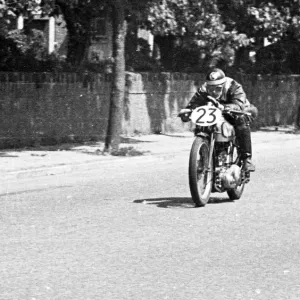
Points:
(243, 135)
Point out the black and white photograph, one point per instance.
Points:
(149, 150)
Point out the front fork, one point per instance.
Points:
(211, 151)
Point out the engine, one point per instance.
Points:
(227, 174)
(231, 177)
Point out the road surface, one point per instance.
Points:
(130, 231)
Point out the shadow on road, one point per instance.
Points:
(184, 202)
(5, 154)
(214, 200)
(55, 145)
(168, 202)
(34, 190)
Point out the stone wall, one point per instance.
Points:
(51, 108)
(276, 97)
(153, 101)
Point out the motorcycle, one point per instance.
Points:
(215, 163)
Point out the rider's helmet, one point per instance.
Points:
(215, 80)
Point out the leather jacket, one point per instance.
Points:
(233, 93)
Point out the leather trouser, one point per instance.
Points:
(243, 135)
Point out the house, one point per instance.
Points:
(101, 41)
(56, 34)
(53, 28)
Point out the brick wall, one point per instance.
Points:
(44, 107)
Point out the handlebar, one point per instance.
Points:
(212, 101)
(188, 111)
(237, 112)
(217, 104)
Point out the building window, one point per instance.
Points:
(99, 27)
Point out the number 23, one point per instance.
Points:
(204, 113)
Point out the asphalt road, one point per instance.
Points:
(130, 231)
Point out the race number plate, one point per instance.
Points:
(206, 115)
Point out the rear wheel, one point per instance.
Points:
(200, 172)
(236, 193)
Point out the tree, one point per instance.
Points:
(21, 49)
(78, 15)
(198, 20)
(277, 22)
(196, 24)
(121, 11)
(10, 10)
(272, 20)
(112, 140)
(206, 25)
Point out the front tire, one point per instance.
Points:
(200, 173)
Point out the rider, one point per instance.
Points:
(230, 95)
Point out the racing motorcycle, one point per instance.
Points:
(215, 163)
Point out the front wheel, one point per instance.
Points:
(200, 172)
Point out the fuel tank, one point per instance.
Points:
(224, 131)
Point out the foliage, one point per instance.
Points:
(279, 58)
(199, 20)
(206, 30)
(138, 55)
(32, 43)
(196, 25)
(272, 19)
(187, 59)
(278, 22)
(25, 51)
(10, 9)
(78, 16)
(21, 50)
(9, 54)
(269, 22)
(216, 27)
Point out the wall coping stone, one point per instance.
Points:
(72, 77)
